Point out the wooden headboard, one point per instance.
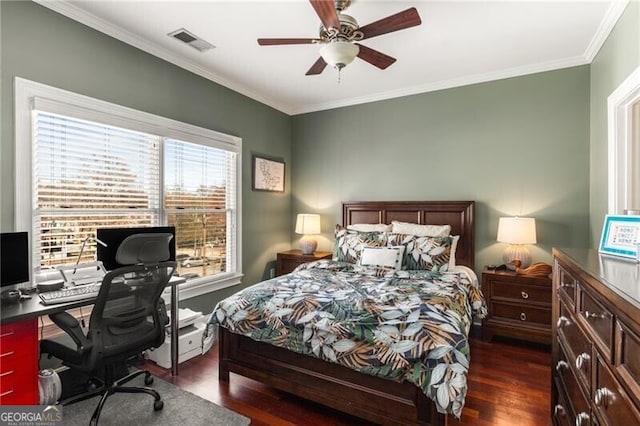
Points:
(458, 214)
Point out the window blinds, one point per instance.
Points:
(88, 175)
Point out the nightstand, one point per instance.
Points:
(287, 261)
(519, 306)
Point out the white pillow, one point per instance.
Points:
(421, 230)
(369, 227)
(382, 257)
(452, 254)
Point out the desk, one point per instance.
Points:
(30, 309)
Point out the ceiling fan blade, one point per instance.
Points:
(399, 21)
(374, 57)
(326, 11)
(317, 67)
(278, 41)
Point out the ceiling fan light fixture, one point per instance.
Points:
(339, 54)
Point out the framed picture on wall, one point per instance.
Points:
(268, 173)
(621, 236)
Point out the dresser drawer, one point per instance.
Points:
(561, 414)
(599, 320)
(521, 292)
(627, 361)
(579, 402)
(611, 401)
(567, 286)
(577, 347)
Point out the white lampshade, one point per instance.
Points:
(339, 53)
(517, 231)
(308, 224)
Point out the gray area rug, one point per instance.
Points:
(180, 408)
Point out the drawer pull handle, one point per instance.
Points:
(567, 285)
(9, 392)
(524, 294)
(562, 365)
(581, 417)
(562, 321)
(559, 411)
(6, 373)
(523, 316)
(582, 359)
(7, 334)
(8, 353)
(593, 315)
(604, 397)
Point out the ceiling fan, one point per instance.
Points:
(339, 34)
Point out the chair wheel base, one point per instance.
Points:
(158, 405)
(148, 380)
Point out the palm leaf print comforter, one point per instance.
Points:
(400, 325)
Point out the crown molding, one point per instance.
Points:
(616, 8)
(67, 9)
(448, 84)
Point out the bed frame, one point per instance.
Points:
(378, 400)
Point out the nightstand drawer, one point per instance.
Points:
(521, 313)
(521, 292)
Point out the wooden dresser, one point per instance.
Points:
(596, 339)
(519, 306)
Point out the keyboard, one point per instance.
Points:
(70, 294)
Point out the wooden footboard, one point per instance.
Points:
(378, 400)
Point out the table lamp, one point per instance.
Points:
(517, 231)
(308, 224)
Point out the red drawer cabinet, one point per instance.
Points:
(19, 363)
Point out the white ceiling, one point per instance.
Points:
(458, 43)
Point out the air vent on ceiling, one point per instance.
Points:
(191, 39)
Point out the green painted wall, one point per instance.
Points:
(616, 60)
(43, 46)
(517, 146)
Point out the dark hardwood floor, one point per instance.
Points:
(509, 383)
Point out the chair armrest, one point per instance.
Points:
(72, 327)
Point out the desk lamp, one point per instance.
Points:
(308, 224)
(517, 231)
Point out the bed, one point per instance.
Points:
(363, 394)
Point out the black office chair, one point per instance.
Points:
(129, 317)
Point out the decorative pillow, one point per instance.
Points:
(349, 244)
(425, 253)
(382, 257)
(420, 230)
(369, 227)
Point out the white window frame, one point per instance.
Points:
(85, 107)
(622, 163)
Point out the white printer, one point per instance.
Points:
(192, 339)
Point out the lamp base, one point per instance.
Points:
(308, 245)
(516, 252)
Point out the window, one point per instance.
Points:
(95, 164)
(624, 146)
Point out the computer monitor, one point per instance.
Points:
(113, 237)
(14, 258)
